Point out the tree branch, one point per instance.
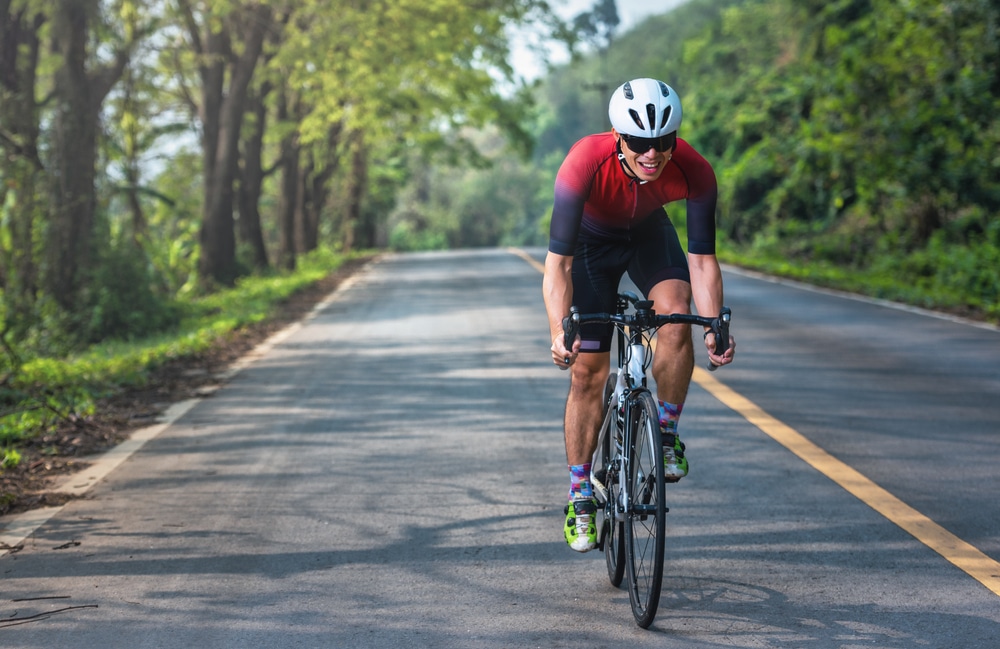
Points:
(192, 26)
(16, 149)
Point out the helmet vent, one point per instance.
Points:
(636, 118)
(627, 89)
(665, 89)
(666, 116)
(651, 113)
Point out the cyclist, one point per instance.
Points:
(608, 219)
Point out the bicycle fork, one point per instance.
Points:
(614, 422)
(615, 470)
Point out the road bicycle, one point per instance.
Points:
(627, 469)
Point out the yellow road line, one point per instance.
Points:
(528, 258)
(961, 554)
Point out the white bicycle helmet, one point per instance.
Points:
(645, 108)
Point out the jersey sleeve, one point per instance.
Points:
(703, 193)
(572, 188)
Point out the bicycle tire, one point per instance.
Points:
(645, 520)
(612, 528)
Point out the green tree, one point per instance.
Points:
(227, 41)
(82, 82)
(22, 199)
(393, 76)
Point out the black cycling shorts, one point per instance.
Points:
(650, 254)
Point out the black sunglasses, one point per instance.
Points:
(643, 144)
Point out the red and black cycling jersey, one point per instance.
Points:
(593, 194)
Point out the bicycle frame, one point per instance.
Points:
(633, 352)
(622, 452)
(633, 357)
(631, 373)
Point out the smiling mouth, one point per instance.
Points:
(648, 167)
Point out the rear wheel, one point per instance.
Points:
(645, 522)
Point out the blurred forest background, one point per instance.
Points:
(159, 155)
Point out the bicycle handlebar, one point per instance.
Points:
(644, 318)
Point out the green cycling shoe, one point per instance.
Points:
(581, 524)
(675, 465)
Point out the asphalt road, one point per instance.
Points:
(392, 474)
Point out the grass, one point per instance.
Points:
(947, 281)
(46, 391)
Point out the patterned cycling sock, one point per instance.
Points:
(670, 414)
(579, 481)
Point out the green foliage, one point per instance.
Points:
(406, 237)
(44, 391)
(494, 202)
(854, 141)
(171, 240)
(124, 303)
(11, 458)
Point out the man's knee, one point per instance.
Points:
(671, 296)
(589, 373)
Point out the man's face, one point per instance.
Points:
(646, 165)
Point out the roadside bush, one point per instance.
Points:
(125, 305)
(40, 392)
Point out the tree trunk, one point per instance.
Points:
(317, 199)
(79, 95)
(20, 167)
(357, 185)
(303, 208)
(287, 202)
(131, 165)
(289, 188)
(251, 181)
(223, 105)
(319, 186)
(318, 195)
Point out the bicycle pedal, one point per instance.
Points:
(597, 482)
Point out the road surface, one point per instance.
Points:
(391, 473)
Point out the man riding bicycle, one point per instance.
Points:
(608, 219)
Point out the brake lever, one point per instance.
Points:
(571, 325)
(720, 327)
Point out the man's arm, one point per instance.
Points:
(557, 291)
(706, 288)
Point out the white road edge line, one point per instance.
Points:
(16, 529)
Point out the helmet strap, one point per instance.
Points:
(633, 177)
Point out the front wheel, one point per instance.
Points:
(606, 465)
(609, 465)
(645, 519)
